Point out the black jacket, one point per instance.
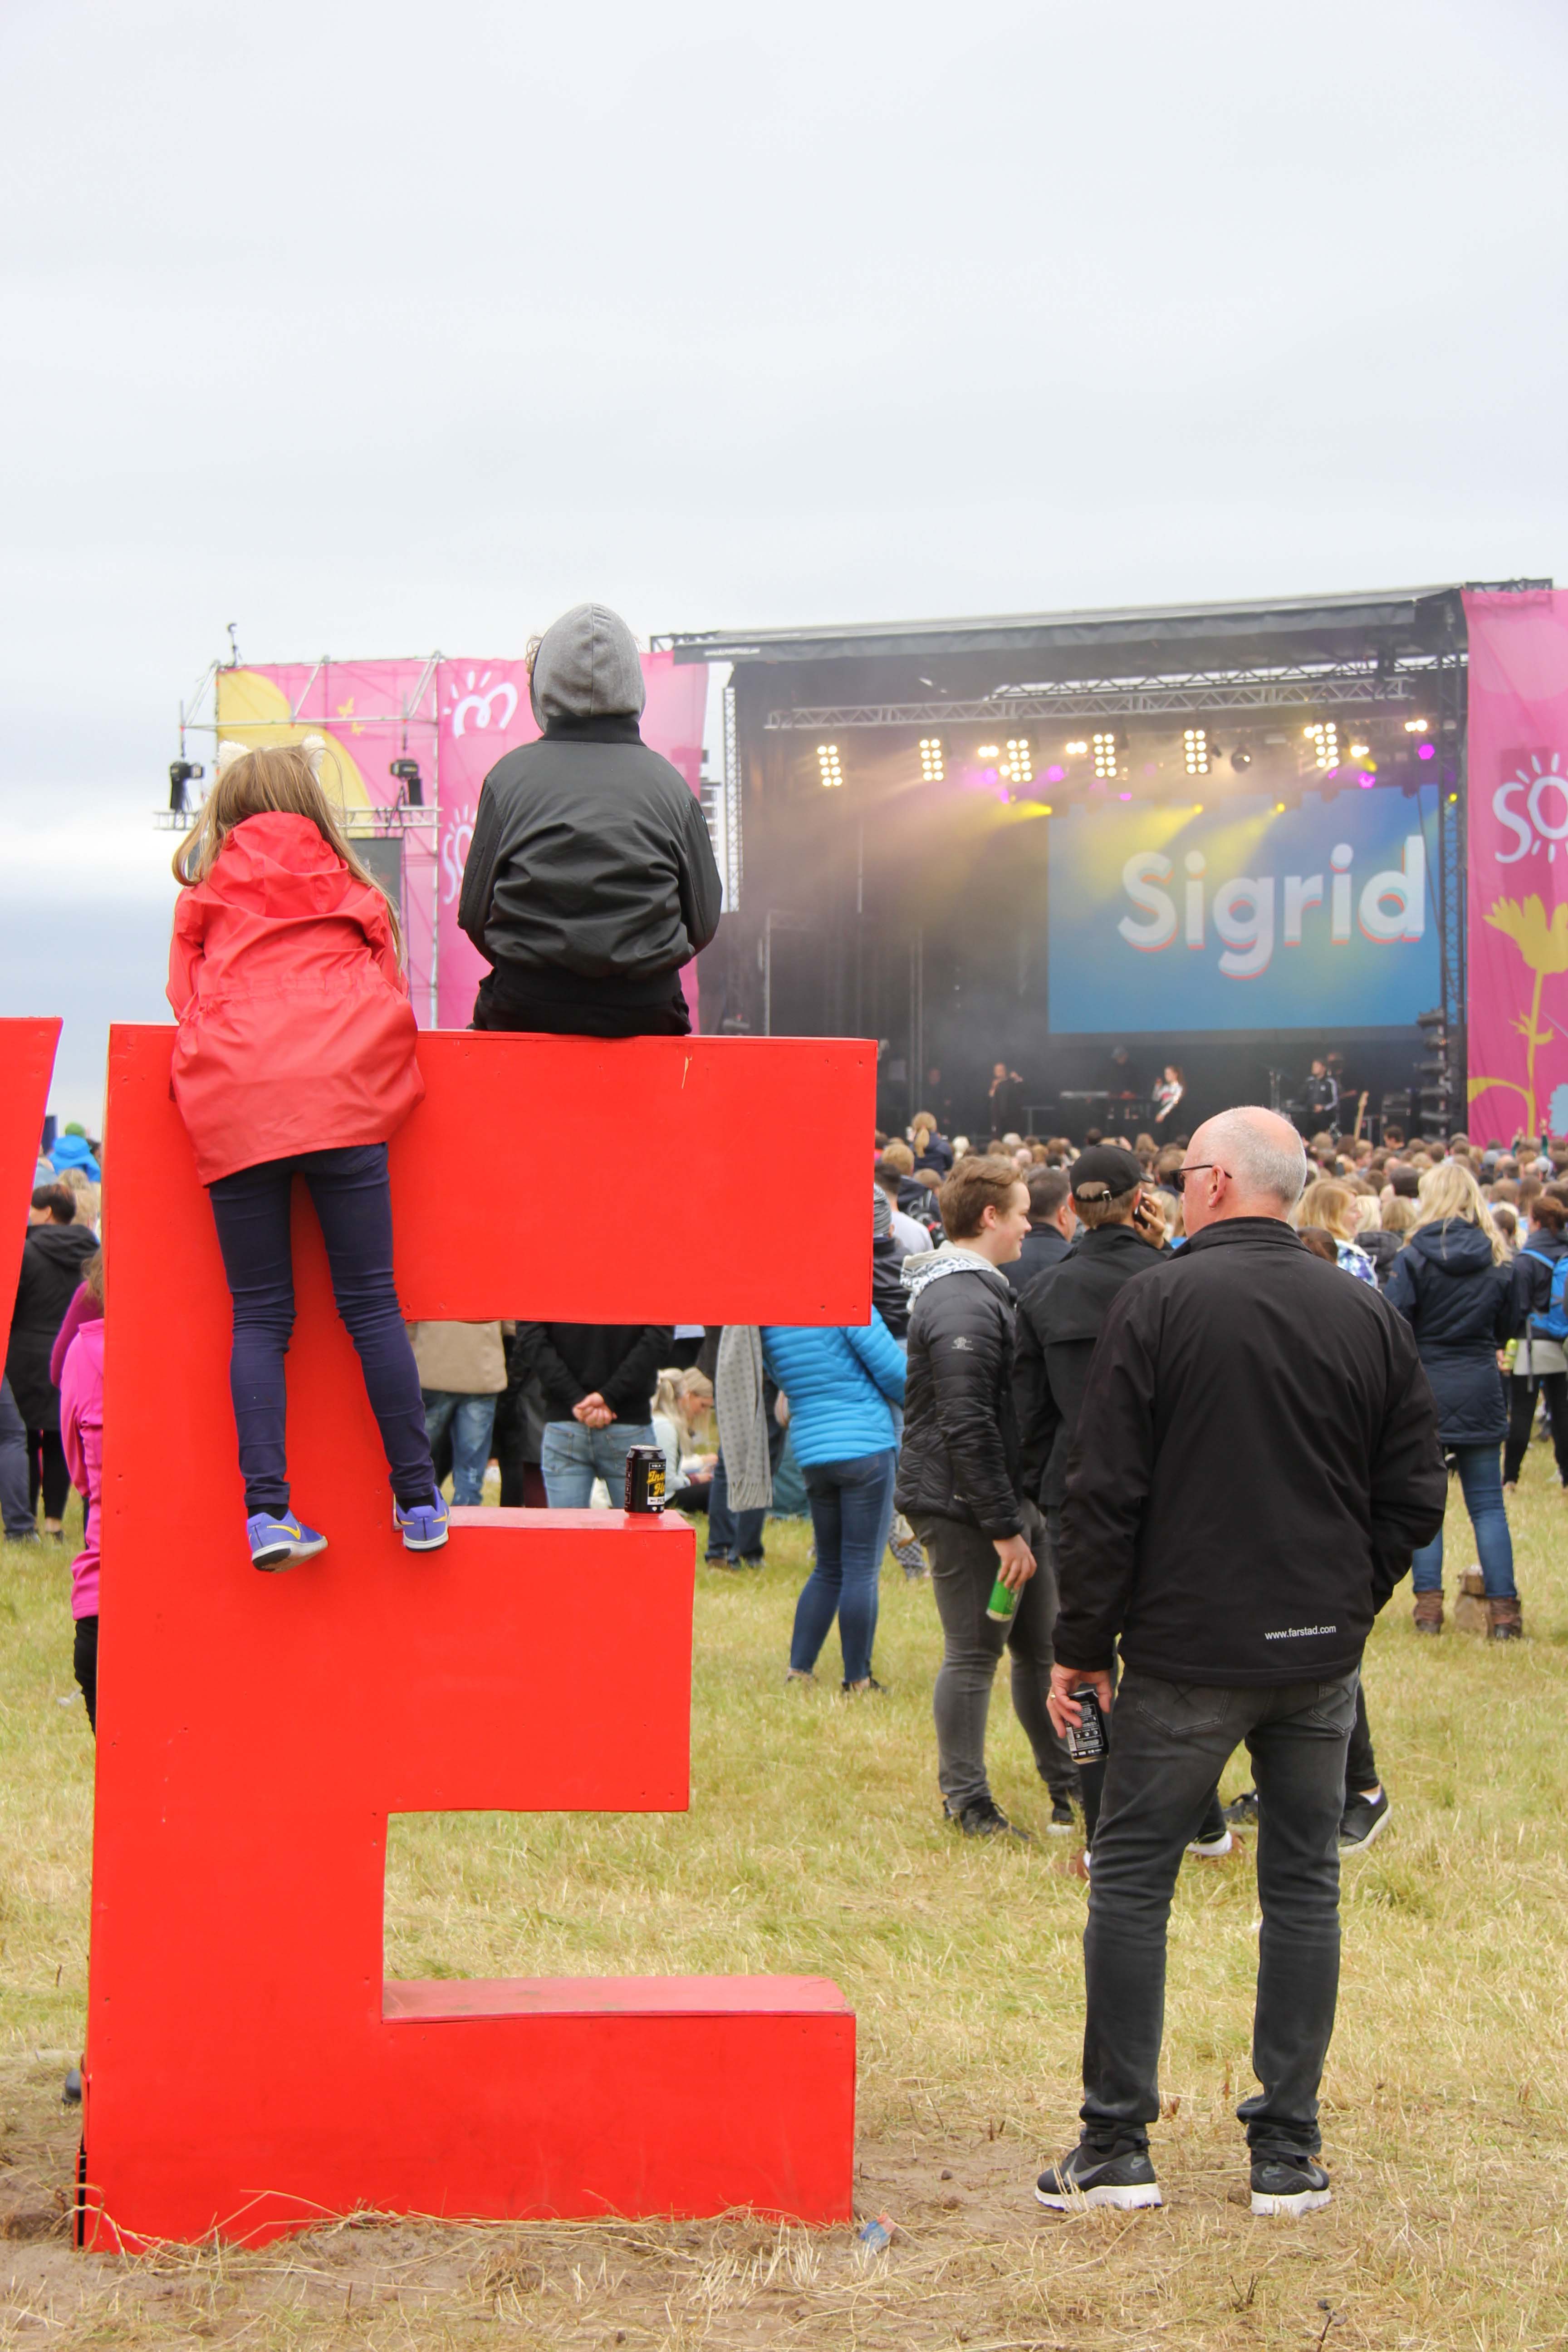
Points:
(960, 1454)
(1381, 1249)
(620, 1360)
(1060, 1316)
(1462, 1310)
(888, 1297)
(1043, 1246)
(590, 863)
(1265, 1461)
(52, 1260)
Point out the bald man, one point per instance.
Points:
(1264, 1461)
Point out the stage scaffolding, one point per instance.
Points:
(398, 820)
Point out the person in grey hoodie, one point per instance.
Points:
(590, 880)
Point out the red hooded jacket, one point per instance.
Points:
(296, 1032)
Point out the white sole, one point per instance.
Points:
(1305, 2201)
(1360, 1845)
(435, 1543)
(1126, 2201)
(1214, 1852)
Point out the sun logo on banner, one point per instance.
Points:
(1533, 805)
(479, 704)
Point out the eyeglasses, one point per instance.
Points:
(1198, 1168)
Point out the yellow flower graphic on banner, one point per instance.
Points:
(1543, 944)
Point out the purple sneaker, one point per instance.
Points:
(277, 1539)
(424, 1526)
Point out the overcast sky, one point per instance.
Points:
(376, 328)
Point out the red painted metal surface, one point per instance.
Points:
(248, 2067)
(27, 1064)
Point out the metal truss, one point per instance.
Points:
(1328, 688)
(732, 859)
(1453, 682)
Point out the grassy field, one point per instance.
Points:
(815, 1844)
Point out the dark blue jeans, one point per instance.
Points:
(354, 1204)
(849, 1518)
(1169, 1744)
(1480, 1478)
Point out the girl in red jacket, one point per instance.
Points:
(295, 1056)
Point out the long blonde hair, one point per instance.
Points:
(1450, 1192)
(1328, 1204)
(281, 779)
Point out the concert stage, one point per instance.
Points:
(1223, 836)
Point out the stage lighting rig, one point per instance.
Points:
(1019, 765)
(1075, 750)
(181, 774)
(932, 768)
(827, 760)
(1195, 745)
(407, 774)
(1240, 758)
(1325, 737)
(1105, 761)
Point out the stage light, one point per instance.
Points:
(1195, 744)
(827, 760)
(932, 769)
(1360, 750)
(1426, 750)
(1020, 763)
(1325, 737)
(1075, 750)
(1105, 756)
(1048, 810)
(1123, 796)
(1452, 798)
(1279, 808)
(988, 751)
(1056, 773)
(407, 774)
(1198, 808)
(1240, 759)
(1415, 727)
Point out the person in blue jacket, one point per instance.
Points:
(841, 1383)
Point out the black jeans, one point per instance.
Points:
(18, 1517)
(47, 1472)
(523, 1000)
(84, 1660)
(353, 1201)
(963, 1573)
(1172, 1742)
(1521, 1415)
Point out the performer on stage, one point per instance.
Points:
(1320, 1094)
(1120, 1084)
(1168, 1092)
(1005, 1100)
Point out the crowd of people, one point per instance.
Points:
(1157, 1411)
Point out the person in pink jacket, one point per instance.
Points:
(81, 1432)
(294, 1056)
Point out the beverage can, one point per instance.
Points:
(1086, 1740)
(644, 1478)
(1002, 1604)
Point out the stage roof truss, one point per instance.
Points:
(1283, 687)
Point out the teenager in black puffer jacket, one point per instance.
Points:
(1464, 1299)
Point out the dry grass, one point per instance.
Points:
(813, 1844)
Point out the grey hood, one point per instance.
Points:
(924, 1266)
(587, 667)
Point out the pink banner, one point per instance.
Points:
(1517, 897)
(455, 719)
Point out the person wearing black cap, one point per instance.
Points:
(1059, 1318)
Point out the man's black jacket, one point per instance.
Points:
(619, 1360)
(1044, 1246)
(1060, 1316)
(1264, 1460)
(960, 1454)
(590, 861)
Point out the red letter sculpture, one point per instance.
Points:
(248, 2071)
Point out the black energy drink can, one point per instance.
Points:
(644, 1478)
(1086, 1740)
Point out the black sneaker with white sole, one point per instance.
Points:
(1242, 1812)
(1064, 1822)
(1089, 2176)
(1363, 1818)
(1289, 2185)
